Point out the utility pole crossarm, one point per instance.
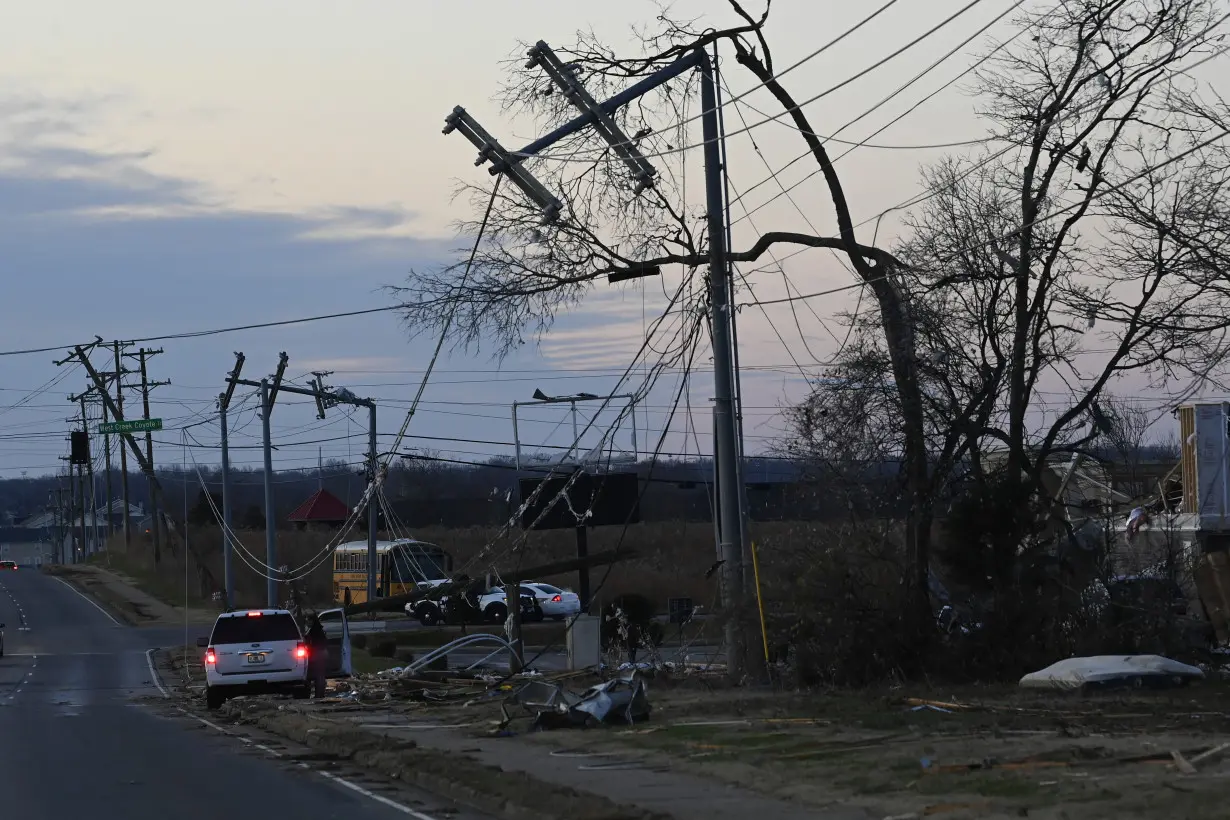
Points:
(115, 411)
(489, 148)
(565, 77)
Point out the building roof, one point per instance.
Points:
(321, 505)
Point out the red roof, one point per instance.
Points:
(322, 505)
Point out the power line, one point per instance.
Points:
(784, 112)
(863, 143)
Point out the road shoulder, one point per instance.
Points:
(119, 597)
(457, 773)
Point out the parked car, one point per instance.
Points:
(7, 565)
(459, 608)
(554, 602)
(254, 652)
(494, 605)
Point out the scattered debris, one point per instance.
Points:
(1112, 670)
(619, 700)
(1181, 763)
(1211, 753)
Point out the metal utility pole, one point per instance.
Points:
(726, 443)
(271, 535)
(228, 570)
(598, 115)
(119, 414)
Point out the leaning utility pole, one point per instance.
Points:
(228, 571)
(599, 115)
(143, 356)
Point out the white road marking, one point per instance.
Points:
(91, 601)
(341, 781)
(153, 673)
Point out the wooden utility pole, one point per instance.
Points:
(119, 415)
(143, 355)
(85, 425)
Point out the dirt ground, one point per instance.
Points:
(990, 752)
(909, 752)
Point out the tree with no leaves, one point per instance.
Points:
(1087, 247)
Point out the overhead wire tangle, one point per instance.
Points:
(925, 195)
(1040, 220)
(377, 470)
(683, 386)
(448, 324)
(514, 519)
(589, 157)
(864, 142)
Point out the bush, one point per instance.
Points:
(405, 654)
(359, 641)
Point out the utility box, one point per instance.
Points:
(585, 642)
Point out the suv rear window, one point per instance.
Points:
(255, 629)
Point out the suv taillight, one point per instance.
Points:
(210, 657)
(301, 651)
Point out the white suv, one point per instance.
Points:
(254, 652)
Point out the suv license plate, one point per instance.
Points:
(256, 658)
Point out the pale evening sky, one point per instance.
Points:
(169, 167)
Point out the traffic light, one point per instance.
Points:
(79, 447)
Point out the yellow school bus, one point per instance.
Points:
(404, 564)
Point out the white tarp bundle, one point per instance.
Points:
(1075, 673)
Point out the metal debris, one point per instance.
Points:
(619, 700)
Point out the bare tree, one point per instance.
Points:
(1089, 248)
(511, 295)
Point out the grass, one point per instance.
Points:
(363, 663)
(673, 557)
(161, 584)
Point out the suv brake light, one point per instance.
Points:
(301, 652)
(254, 614)
(210, 657)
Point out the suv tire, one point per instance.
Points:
(214, 698)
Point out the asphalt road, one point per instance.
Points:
(85, 731)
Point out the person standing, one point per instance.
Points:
(318, 655)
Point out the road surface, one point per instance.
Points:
(86, 732)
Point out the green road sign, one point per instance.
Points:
(134, 426)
